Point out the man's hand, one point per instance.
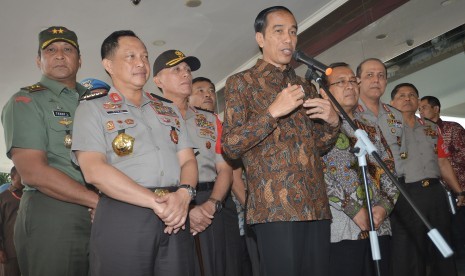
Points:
(3, 257)
(379, 214)
(361, 219)
(460, 200)
(286, 101)
(174, 214)
(322, 109)
(201, 217)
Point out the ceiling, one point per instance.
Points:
(219, 32)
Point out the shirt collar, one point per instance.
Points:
(57, 87)
(117, 97)
(262, 66)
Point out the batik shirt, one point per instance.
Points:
(281, 156)
(346, 189)
(454, 140)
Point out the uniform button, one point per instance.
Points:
(157, 147)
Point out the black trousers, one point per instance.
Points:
(293, 248)
(212, 243)
(354, 257)
(129, 240)
(223, 250)
(413, 253)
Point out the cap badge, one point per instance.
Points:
(176, 60)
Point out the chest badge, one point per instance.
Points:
(123, 144)
(68, 140)
(174, 135)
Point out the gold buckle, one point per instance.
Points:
(425, 183)
(161, 192)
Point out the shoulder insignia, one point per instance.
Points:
(386, 108)
(91, 96)
(393, 108)
(360, 108)
(205, 110)
(430, 121)
(153, 96)
(34, 88)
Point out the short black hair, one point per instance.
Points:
(359, 67)
(433, 101)
(400, 85)
(110, 44)
(261, 20)
(333, 65)
(199, 79)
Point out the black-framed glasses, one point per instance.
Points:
(344, 83)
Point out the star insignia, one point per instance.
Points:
(54, 31)
(60, 31)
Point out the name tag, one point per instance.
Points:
(57, 113)
(111, 112)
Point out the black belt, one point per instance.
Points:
(425, 182)
(205, 186)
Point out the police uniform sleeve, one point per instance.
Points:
(24, 123)
(88, 132)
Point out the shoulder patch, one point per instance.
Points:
(34, 88)
(153, 95)
(91, 96)
(201, 109)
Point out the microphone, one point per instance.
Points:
(310, 62)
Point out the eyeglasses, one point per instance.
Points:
(344, 83)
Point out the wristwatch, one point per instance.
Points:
(218, 204)
(191, 190)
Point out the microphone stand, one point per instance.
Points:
(363, 146)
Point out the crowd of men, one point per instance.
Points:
(120, 181)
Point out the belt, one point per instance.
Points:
(205, 186)
(161, 191)
(425, 182)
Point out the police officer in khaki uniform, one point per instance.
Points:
(38, 123)
(134, 148)
(412, 250)
(372, 77)
(172, 74)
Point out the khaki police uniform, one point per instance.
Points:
(390, 121)
(204, 127)
(51, 236)
(127, 239)
(412, 250)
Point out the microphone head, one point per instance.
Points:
(296, 55)
(328, 71)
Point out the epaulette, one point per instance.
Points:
(91, 96)
(34, 88)
(159, 98)
(429, 120)
(209, 111)
(393, 108)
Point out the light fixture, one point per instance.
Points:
(446, 2)
(381, 36)
(193, 3)
(159, 43)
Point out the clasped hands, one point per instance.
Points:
(292, 97)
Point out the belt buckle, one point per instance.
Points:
(161, 192)
(425, 183)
